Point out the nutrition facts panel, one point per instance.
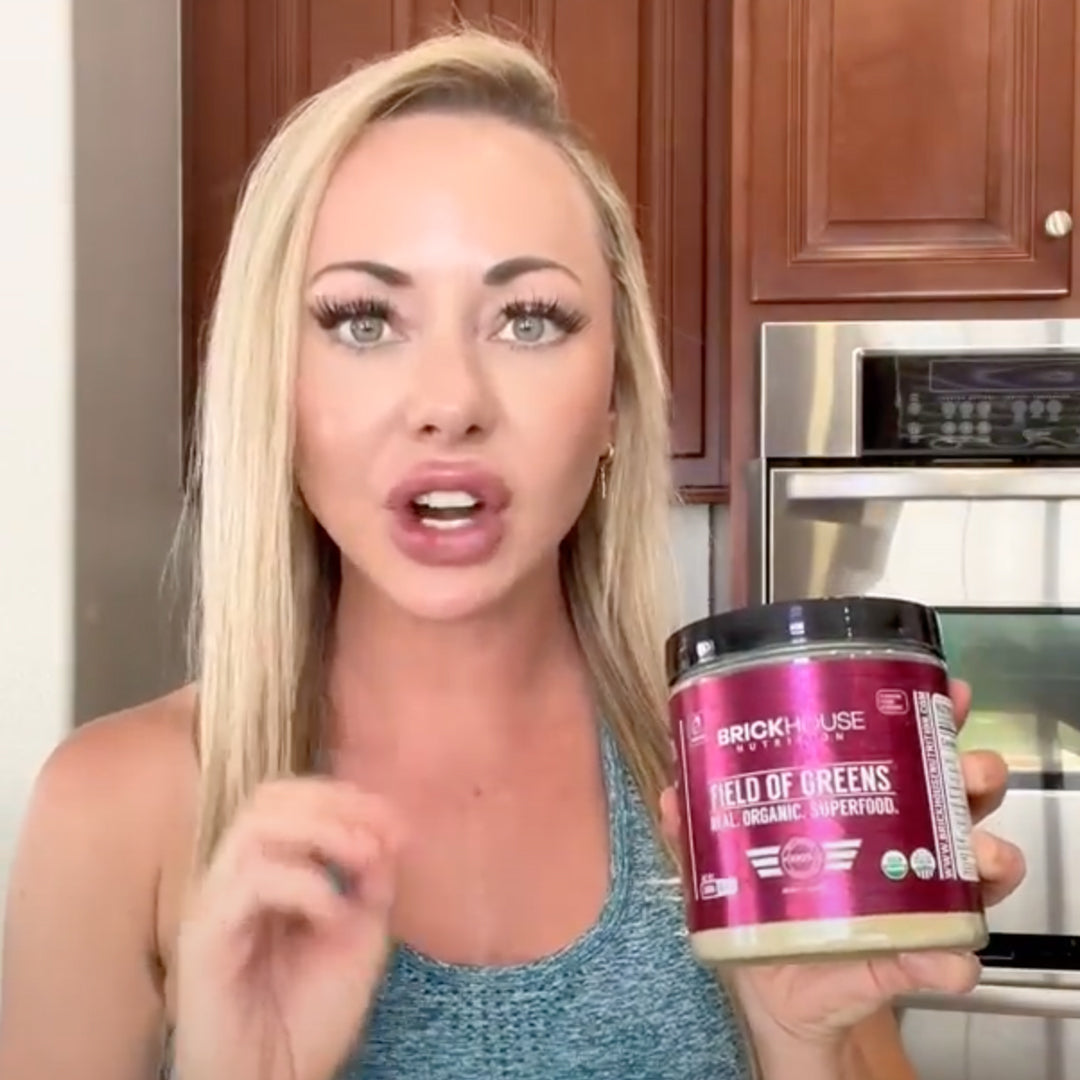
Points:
(945, 787)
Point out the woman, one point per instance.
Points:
(419, 838)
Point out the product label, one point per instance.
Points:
(822, 789)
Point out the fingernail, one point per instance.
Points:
(340, 879)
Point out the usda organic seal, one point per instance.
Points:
(894, 865)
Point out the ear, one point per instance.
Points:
(609, 433)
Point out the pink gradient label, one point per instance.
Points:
(821, 789)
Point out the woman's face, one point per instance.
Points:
(456, 362)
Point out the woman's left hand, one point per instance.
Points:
(799, 1005)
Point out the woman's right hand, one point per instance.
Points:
(284, 947)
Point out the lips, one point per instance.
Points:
(448, 515)
(445, 486)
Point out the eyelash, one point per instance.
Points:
(330, 314)
(567, 319)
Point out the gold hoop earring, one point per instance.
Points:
(605, 464)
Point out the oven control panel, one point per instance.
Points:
(971, 406)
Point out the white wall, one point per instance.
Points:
(37, 433)
(89, 407)
(701, 549)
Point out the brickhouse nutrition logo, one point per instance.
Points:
(778, 731)
(806, 785)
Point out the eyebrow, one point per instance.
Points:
(502, 273)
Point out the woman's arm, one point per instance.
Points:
(79, 986)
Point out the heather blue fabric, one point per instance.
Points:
(626, 1001)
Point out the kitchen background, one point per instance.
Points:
(791, 159)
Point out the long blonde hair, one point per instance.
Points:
(266, 575)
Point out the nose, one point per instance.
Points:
(450, 398)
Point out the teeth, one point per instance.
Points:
(445, 523)
(446, 500)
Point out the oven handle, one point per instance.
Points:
(1045, 1002)
(850, 485)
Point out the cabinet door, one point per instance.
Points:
(911, 148)
(642, 77)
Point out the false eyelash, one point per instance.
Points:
(332, 313)
(566, 319)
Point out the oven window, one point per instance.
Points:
(1024, 669)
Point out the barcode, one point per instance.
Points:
(949, 812)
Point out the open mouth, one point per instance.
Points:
(446, 509)
(449, 514)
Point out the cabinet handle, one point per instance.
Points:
(857, 485)
(1058, 224)
(1043, 1002)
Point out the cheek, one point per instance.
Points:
(580, 406)
(568, 422)
(317, 429)
(332, 434)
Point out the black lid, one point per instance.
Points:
(802, 622)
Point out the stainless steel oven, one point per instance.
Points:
(941, 461)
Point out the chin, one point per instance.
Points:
(451, 595)
(403, 589)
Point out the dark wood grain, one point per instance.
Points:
(911, 155)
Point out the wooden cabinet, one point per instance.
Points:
(644, 78)
(911, 149)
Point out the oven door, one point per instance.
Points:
(997, 552)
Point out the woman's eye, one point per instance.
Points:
(530, 330)
(363, 331)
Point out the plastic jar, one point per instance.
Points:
(823, 808)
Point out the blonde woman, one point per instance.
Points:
(407, 823)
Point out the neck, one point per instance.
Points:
(404, 686)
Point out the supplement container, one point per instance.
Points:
(823, 809)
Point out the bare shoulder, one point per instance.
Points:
(115, 786)
(109, 809)
(136, 750)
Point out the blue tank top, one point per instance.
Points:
(627, 999)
